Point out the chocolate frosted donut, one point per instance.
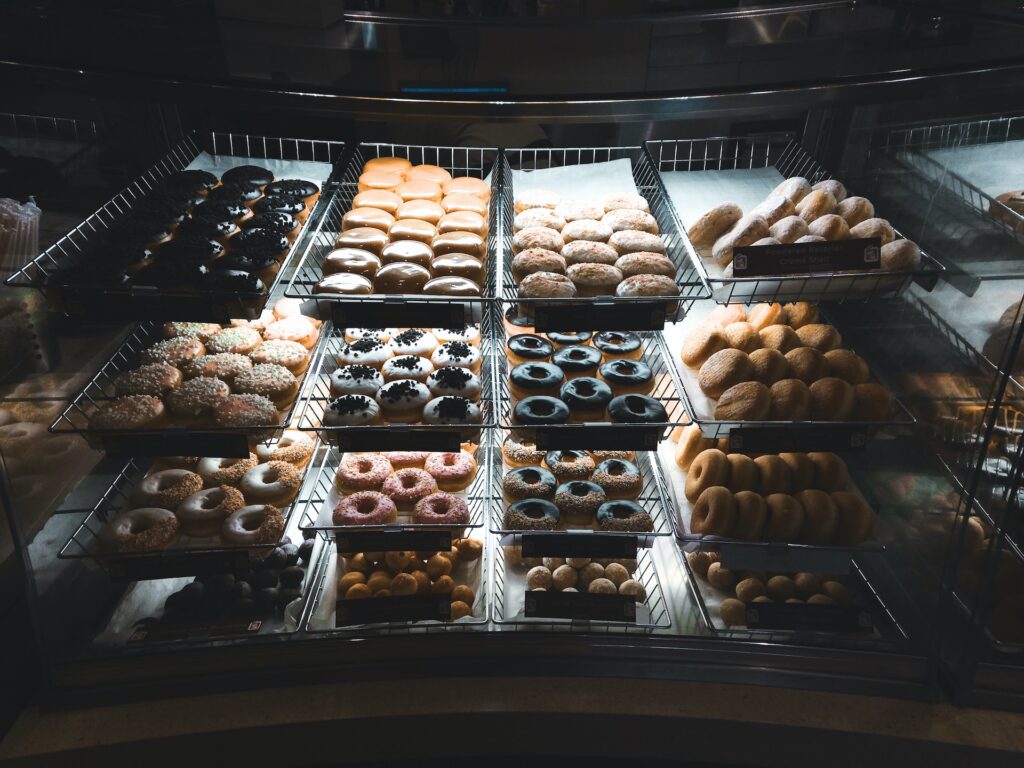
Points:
(569, 338)
(569, 465)
(278, 222)
(401, 277)
(540, 411)
(208, 229)
(528, 483)
(299, 188)
(636, 409)
(535, 379)
(240, 192)
(190, 249)
(623, 515)
(451, 286)
(528, 346)
(586, 397)
(579, 499)
(280, 203)
(619, 478)
(532, 515)
(247, 174)
(344, 284)
(618, 344)
(213, 210)
(259, 242)
(627, 376)
(577, 360)
(232, 281)
(355, 261)
(191, 181)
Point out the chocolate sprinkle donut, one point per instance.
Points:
(532, 515)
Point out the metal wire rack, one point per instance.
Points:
(141, 302)
(508, 583)
(399, 309)
(439, 437)
(69, 129)
(173, 440)
(602, 312)
(605, 435)
(789, 158)
(654, 497)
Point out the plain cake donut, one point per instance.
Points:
(142, 529)
(709, 468)
(258, 524)
(166, 489)
(714, 512)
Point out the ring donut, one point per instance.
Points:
(709, 468)
(714, 512)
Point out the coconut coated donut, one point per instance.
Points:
(253, 525)
(714, 512)
(203, 513)
(176, 351)
(142, 529)
(224, 471)
(709, 468)
(364, 508)
(166, 489)
(155, 379)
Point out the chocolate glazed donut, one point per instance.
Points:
(540, 411)
(535, 378)
(636, 409)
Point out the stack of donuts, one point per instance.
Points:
(422, 485)
(237, 501)
(546, 491)
(203, 375)
(780, 363)
(581, 377)
(760, 587)
(198, 232)
(397, 573)
(584, 574)
(416, 375)
(411, 229)
(786, 497)
(797, 212)
(570, 248)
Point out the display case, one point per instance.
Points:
(530, 365)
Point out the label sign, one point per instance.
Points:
(145, 305)
(567, 437)
(388, 314)
(157, 632)
(170, 564)
(834, 437)
(584, 606)
(784, 557)
(809, 618)
(630, 315)
(373, 610)
(391, 439)
(579, 545)
(807, 258)
(393, 541)
(226, 444)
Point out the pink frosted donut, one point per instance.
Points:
(407, 486)
(403, 459)
(452, 471)
(365, 508)
(362, 472)
(441, 509)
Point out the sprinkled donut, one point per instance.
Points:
(404, 459)
(441, 509)
(452, 471)
(197, 397)
(295, 447)
(528, 483)
(579, 500)
(154, 379)
(253, 525)
(246, 411)
(176, 351)
(275, 482)
(521, 453)
(166, 489)
(290, 354)
(240, 340)
(224, 366)
(203, 513)
(619, 478)
(131, 412)
(225, 471)
(299, 329)
(364, 508)
(362, 472)
(569, 465)
(142, 529)
(274, 382)
(201, 331)
(623, 515)
(408, 486)
(532, 515)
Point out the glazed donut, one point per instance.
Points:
(578, 501)
(520, 453)
(856, 518)
(460, 201)
(747, 401)
(367, 217)
(785, 518)
(528, 347)
(709, 468)
(203, 513)
(441, 509)
(722, 370)
(451, 409)
(691, 443)
(406, 367)
(819, 336)
(830, 473)
(531, 515)
(620, 479)
(538, 378)
(224, 471)
(806, 364)
(364, 508)
(406, 459)
(407, 486)
(586, 397)
(713, 224)
(832, 399)
(801, 470)
(362, 472)
(246, 411)
(450, 381)
(452, 471)
(177, 351)
(714, 512)
(744, 474)
(589, 252)
(166, 489)
(577, 360)
(770, 365)
(155, 379)
(533, 482)
(457, 354)
(377, 198)
(627, 377)
(142, 529)
(751, 516)
(131, 412)
(352, 411)
(253, 525)
(539, 410)
(356, 380)
(821, 517)
(701, 342)
(776, 476)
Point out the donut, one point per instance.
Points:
(801, 470)
(414, 341)
(627, 377)
(407, 486)
(224, 471)
(623, 515)
(289, 354)
(361, 472)
(633, 264)
(636, 409)
(469, 334)
(855, 210)
(402, 400)
(620, 479)
(543, 217)
(364, 508)
(577, 360)
(203, 513)
(746, 231)
(239, 340)
(142, 529)
(785, 518)
(709, 468)
(132, 412)
(532, 482)
(832, 399)
(536, 198)
(713, 224)
(531, 515)
(586, 397)
(528, 347)
(383, 335)
(714, 512)
(788, 229)
(776, 476)
(691, 443)
(457, 354)
(246, 411)
(578, 501)
(294, 447)
(723, 370)
(155, 379)
(872, 402)
(540, 410)
(520, 453)
(573, 210)
(526, 263)
(819, 336)
(624, 201)
(352, 411)
(166, 489)
(751, 516)
(801, 313)
(815, 204)
(634, 241)
(879, 228)
(589, 252)
(901, 256)
(594, 279)
(441, 509)
(535, 378)
(569, 465)
(856, 518)
(833, 187)
(451, 409)
(405, 459)
(628, 220)
(460, 382)
(356, 380)
(821, 517)
(770, 366)
(224, 366)
(176, 351)
(701, 342)
(275, 382)
(744, 474)
(253, 525)
(600, 456)
(407, 367)
(546, 285)
(747, 401)
(791, 400)
(570, 338)
(846, 365)
(275, 482)
(830, 226)
(806, 364)
(616, 345)
(452, 471)
(830, 473)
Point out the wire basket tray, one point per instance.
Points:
(146, 302)
(399, 309)
(789, 158)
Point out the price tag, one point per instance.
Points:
(374, 610)
(807, 258)
(832, 437)
(227, 444)
(785, 557)
(170, 564)
(142, 304)
(391, 438)
(582, 606)
(631, 315)
(579, 545)
(398, 312)
(161, 631)
(567, 437)
(393, 541)
(809, 618)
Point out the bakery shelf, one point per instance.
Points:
(387, 436)
(190, 556)
(319, 504)
(600, 313)
(587, 542)
(63, 141)
(194, 440)
(399, 309)
(604, 435)
(755, 165)
(147, 302)
(509, 596)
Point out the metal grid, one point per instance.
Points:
(478, 162)
(654, 497)
(648, 184)
(666, 391)
(85, 132)
(318, 394)
(646, 573)
(789, 158)
(82, 239)
(477, 496)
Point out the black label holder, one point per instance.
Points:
(579, 544)
(580, 606)
(396, 310)
(856, 255)
(393, 540)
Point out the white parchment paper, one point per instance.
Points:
(589, 181)
(992, 168)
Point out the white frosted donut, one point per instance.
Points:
(454, 381)
(365, 352)
(407, 367)
(456, 354)
(413, 341)
(142, 529)
(166, 489)
(351, 411)
(356, 380)
(403, 399)
(468, 333)
(203, 513)
(382, 335)
(252, 525)
(275, 482)
(451, 410)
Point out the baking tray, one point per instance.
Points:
(753, 159)
(603, 435)
(167, 441)
(772, 436)
(509, 594)
(386, 436)
(320, 617)
(144, 302)
(386, 310)
(602, 313)
(190, 556)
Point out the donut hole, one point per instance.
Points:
(533, 511)
(252, 522)
(211, 500)
(139, 526)
(636, 405)
(577, 354)
(530, 477)
(364, 465)
(366, 506)
(579, 489)
(537, 372)
(620, 512)
(409, 481)
(585, 389)
(543, 408)
(615, 468)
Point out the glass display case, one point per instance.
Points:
(652, 340)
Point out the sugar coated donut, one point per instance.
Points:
(364, 508)
(142, 529)
(709, 468)
(203, 513)
(714, 512)
(166, 489)
(253, 525)
(295, 447)
(452, 471)
(362, 472)
(407, 486)
(441, 509)
(275, 482)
